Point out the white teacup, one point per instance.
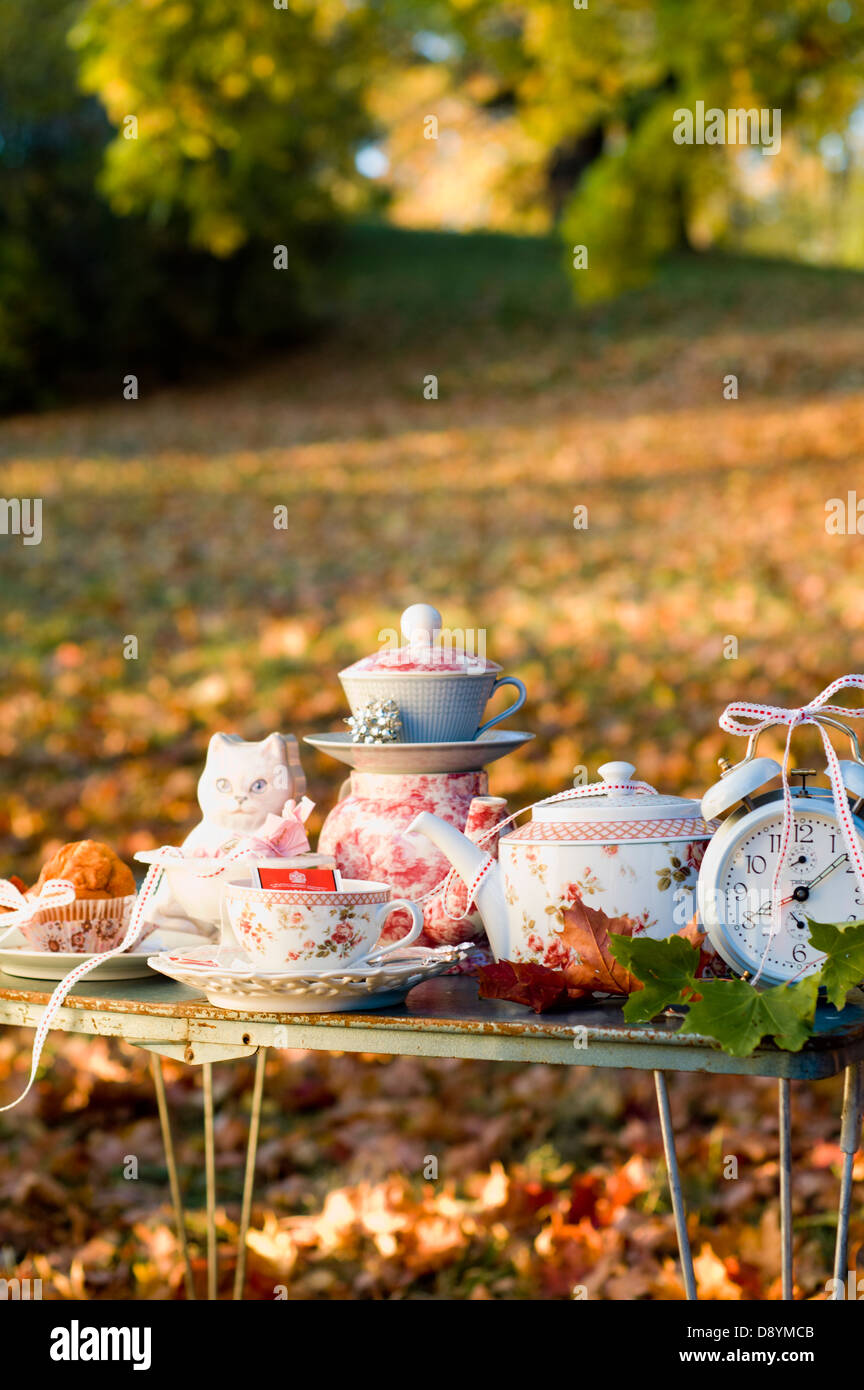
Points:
(283, 929)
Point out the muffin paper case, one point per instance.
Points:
(25, 909)
(88, 924)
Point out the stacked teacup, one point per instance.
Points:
(439, 687)
(419, 741)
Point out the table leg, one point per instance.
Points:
(249, 1178)
(850, 1135)
(171, 1164)
(210, 1172)
(675, 1192)
(785, 1118)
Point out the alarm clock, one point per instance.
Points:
(735, 888)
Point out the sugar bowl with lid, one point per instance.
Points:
(612, 853)
(436, 679)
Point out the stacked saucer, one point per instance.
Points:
(462, 755)
(418, 707)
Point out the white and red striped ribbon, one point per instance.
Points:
(572, 794)
(167, 854)
(763, 717)
(55, 892)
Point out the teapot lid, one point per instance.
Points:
(609, 800)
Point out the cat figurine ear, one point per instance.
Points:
(288, 747)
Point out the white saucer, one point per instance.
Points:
(25, 963)
(470, 756)
(231, 981)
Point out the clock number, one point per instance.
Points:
(774, 842)
(756, 863)
(738, 906)
(803, 832)
(799, 953)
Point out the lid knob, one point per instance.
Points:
(420, 623)
(617, 772)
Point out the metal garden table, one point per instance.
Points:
(444, 1018)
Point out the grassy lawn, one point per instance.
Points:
(706, 520)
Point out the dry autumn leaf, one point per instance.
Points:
(586, 931)
(521, 982)
(710, 964)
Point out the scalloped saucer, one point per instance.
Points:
(230, 980)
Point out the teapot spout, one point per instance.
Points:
(468, 859)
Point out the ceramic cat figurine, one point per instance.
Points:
(242, 783)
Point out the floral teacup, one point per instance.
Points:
(291, 930)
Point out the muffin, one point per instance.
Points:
(104, 893)
(94, 869)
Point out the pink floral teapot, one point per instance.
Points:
(614, 852)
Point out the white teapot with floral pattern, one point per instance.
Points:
(614, 853)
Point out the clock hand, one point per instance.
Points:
(805, 888)
(841, 859)
(760, 912)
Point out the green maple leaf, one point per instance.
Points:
(738, 1017)
(665, 969)
(843, 967)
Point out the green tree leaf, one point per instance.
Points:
(843, 967)
(738, 1016)
(665, 968)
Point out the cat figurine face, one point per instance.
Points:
(242, 783)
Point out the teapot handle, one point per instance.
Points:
(511, 709)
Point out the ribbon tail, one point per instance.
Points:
(788, 821)
(55, 1003)
(853, 849)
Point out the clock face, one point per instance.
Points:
(736, 887)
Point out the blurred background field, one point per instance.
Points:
(706, 521)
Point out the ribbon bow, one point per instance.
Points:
(761, 717)
(281, 836)
(56, 892)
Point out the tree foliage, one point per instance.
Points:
(235, 117)
(153, 154)
(601, 86)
